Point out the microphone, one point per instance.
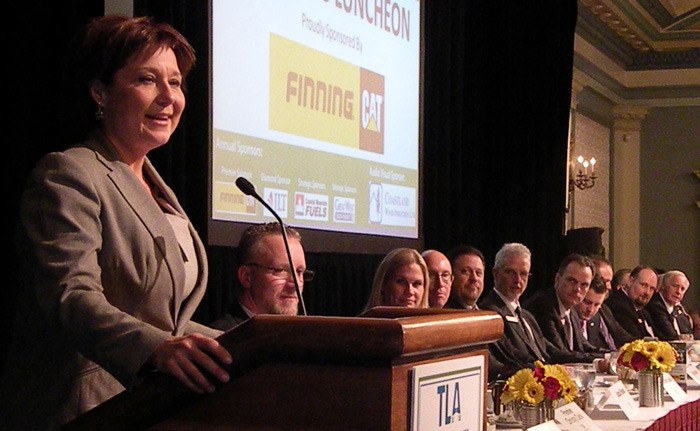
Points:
(249, 189)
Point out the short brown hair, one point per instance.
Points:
(254, 233)
(106, 45)
(579, 259)
(598, 285)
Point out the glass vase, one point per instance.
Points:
(651, 388)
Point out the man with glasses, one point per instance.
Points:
(627, 304)
(468, 267)
(440, 272)
(266, 279)
(522, 342)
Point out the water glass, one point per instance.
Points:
(613, 361)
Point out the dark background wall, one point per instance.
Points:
(497, 94)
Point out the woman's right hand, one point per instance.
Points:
(186, 357)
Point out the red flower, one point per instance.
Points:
(539, 373)
(551, 387)
(639, 361)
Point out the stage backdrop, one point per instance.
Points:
(497, 93)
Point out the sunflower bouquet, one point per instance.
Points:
(641, 355)
(545, 383)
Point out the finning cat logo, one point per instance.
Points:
(372, 108)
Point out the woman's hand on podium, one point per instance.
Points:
(186, 357)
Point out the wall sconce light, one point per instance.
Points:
(582, 180)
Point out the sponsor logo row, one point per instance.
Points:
(386, 204)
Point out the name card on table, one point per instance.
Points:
(618, 394)
(545, 426)
(572, 418)
(672, 388)
(694, 373)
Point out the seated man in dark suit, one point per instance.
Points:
(603, 321)
(597, 324)
(522, 342)
(264, 274)
(627, 304)
(668, 316)
(620, 278)
(552, 308)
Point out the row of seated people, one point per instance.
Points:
(578, 319)
(581, 317)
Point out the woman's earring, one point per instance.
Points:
(100, 113)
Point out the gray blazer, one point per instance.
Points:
(103, 285)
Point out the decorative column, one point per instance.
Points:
(576, 88)
(624, 176)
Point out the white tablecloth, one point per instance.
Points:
(612, 418)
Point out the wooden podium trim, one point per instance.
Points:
(384, 343)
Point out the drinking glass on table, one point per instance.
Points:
(613, 361)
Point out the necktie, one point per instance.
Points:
(568, 332)
(674, 317)
(681, 320)
(584, 331)
(606, 335)
(528, 333)
(646, 325)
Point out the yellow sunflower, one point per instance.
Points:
(629, 349)
(650, 349)
(568, 390)
(533, 392)
(515, 385)
(556, 371)
(663, 358)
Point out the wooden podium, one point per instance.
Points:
(308, 373)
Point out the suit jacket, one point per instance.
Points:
(622, 307)
(497, 369)
(545, 307)
(663, 320)
(594, 331)
(619, 334)
(514, 347)
(105, 285)
(453, 303)
(234, 317)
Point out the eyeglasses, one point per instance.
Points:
(446, 277)
(513, 273)
(285, 273)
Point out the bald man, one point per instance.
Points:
(440, 272)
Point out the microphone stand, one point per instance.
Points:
(249, 189)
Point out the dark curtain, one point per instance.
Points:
(497, 93)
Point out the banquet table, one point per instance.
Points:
(672, 416)
(609, 416)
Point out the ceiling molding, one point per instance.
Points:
(640, 52)
(643, 34)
